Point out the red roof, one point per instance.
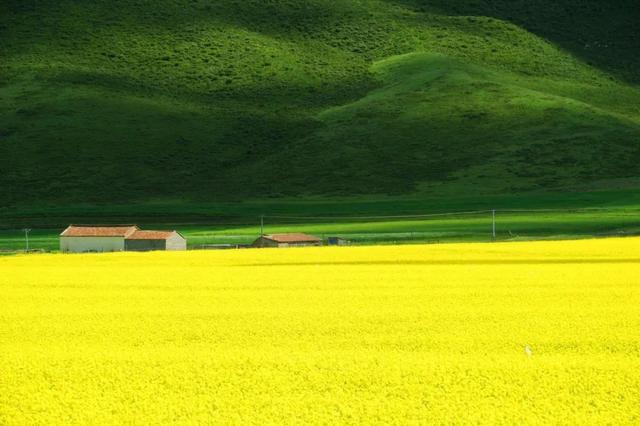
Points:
(99, 231)
(292, 238)
(150, 235)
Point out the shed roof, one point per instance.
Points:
(150, 235)
(292, 238)
(99, 231)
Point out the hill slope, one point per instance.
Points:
(135, 100)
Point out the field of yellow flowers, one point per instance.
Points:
(525, 333)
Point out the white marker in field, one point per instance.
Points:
(528, 352)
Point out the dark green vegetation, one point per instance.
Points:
(199, 101)
(362, 222)
(511, 226)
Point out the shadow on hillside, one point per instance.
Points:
(605, 35)
(254, 15)
(279, 97)
(130, 141)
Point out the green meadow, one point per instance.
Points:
(469, 228)
(361, 221)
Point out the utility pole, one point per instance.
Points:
(26, 238)
(493, 217)
(262, 225)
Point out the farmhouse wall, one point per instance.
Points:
(91, 244)
(301, 244)
(264, 242)
(176, 242)
(144, 245)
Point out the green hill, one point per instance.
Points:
(121, 101)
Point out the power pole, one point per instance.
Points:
(26, 238)
(493, 217)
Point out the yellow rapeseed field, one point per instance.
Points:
(517, 333)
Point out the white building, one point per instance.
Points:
(83, 239)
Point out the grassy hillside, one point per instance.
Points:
(122, 101)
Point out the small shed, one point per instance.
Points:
(155, 240)
(337, 241)
(85, 238)
(287, 240)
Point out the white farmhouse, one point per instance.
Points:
(83, 239)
